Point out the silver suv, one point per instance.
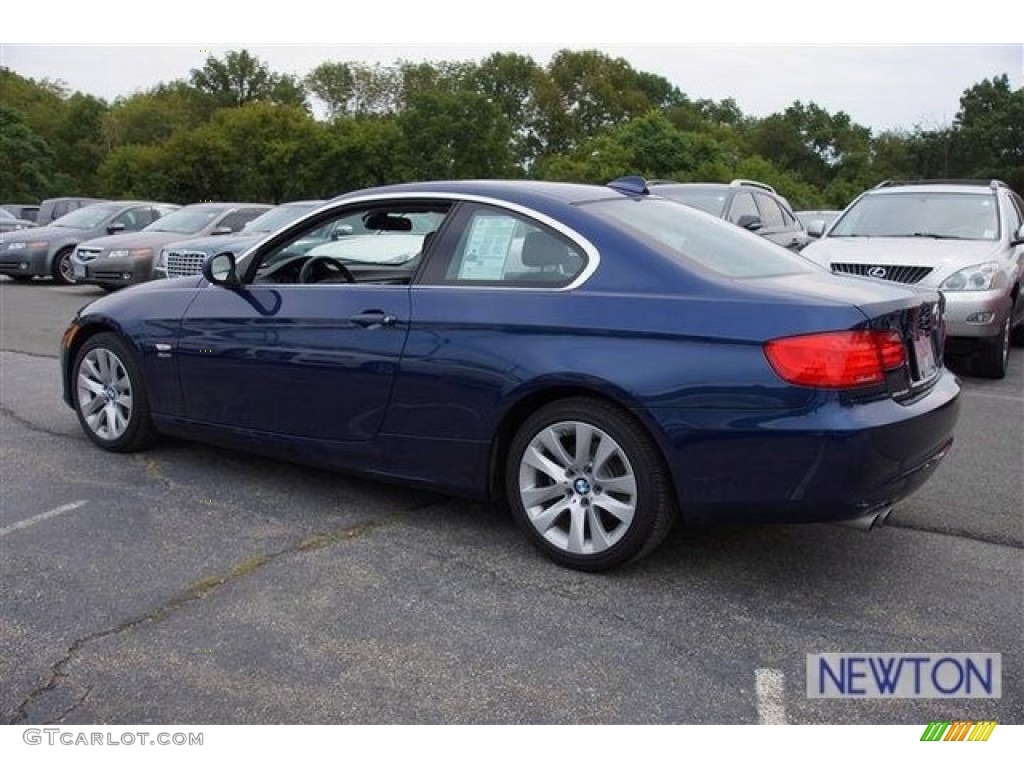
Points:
(965, 238)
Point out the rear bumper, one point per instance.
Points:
(833, 462)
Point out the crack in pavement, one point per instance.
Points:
(32, 427)
(72, 708)
(959, 533)
(197, 591)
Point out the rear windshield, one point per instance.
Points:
(710, 199)
(689, 236)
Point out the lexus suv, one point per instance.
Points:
(963, 237)
(749, 204)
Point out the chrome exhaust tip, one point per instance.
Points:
(868, 522)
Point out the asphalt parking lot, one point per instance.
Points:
(194, 585)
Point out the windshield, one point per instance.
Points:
(686, 235)
(4, 214)
(186, 221)
(943, 215)
(707, 199)
(275, 218)
(86, 218)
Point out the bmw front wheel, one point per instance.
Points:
(109, 396)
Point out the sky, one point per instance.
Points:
(883, 66)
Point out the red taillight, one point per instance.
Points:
(836, 360)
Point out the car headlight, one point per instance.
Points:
(22, 244)
(125, 253)
(979, 277)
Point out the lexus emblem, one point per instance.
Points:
(877, 272)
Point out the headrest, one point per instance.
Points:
(543, 250)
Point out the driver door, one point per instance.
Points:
(313, 359)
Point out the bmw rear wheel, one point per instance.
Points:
(587, 484)
(109, 397)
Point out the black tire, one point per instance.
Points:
(992, 359)
(1017, 334)
(61, 269)
(570, 485)
(109, 395)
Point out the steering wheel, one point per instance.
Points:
(319, 267)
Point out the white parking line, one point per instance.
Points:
(771, 705)
(40, 517)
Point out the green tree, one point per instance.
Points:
(134, 171)
(26, 161)
(153, 116)
(456, 136)
(363, 151)
(240, 78)
(988, 132)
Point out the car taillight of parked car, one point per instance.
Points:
(836, 360)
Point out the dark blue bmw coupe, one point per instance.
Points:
(604, 360)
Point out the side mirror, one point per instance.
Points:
(750, 222)
(1018, 237)
(221, 231)
(113, 229)
(221, 270)
(816, 228)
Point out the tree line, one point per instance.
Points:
(237, 130)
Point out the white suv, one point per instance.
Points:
(965, 238)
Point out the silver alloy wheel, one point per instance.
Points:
(578, 487)
(67, 269)
(104, 393)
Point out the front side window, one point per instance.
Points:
(941, 215)
(493, 246)
(133, 219)
(379, 242)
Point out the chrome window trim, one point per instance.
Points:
(593, 255)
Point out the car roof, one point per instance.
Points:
(511, 190)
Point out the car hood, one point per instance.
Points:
(135, 240)
(944, 256)
(47, 234)
(219, 243)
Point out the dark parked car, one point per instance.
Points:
(55, 207)
(26, 211)
(748, 204)
(47, 250)
(120, 260)
(10, 223)
(605, 360)
(187, 257)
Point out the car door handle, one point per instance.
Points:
(373, 317)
